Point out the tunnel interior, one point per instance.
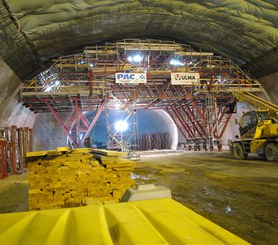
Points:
(169, 70)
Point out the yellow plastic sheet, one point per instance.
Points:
(159, 221)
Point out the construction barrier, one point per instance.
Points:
(157, 222)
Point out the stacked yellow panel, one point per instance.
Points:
(71, 178)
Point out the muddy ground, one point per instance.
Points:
(240, 196)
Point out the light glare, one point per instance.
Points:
(175, 62)
(121, 125)
(137, 58)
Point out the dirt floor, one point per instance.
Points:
(240, 196)
(14, 193)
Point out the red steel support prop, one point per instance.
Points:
(30, 140)
(80, 115)
(176, 122)
(13, 149)
(3, 158)
(25, 145)
(220, 116)
(70, 120)
(194, 123)
(91, 80)
(20, 143)
(101, 108)
(75, 118)
(55, 114)
(190, 97)
(225, 126)
(187, 129)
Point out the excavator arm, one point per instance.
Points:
(257, 102)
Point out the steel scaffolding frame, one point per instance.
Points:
(82, 82)
(127, 140)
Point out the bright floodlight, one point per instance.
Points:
(57, 83)
(175, 62)
(48, 89)
(137, 58)
(129, 58)
(121, 125)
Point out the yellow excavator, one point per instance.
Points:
(258, 129)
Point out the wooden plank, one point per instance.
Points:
(63, 149)
(109, 153)
(68, 178)
(36, 154)
(54, 153)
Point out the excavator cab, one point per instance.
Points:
(250, 121)
(247, 125)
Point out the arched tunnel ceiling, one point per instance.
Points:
(33, 32)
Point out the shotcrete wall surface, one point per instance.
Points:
(270, 84)
(11, 112)
(48, 134)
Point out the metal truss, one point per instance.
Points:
(81, 82)
(77, 127)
